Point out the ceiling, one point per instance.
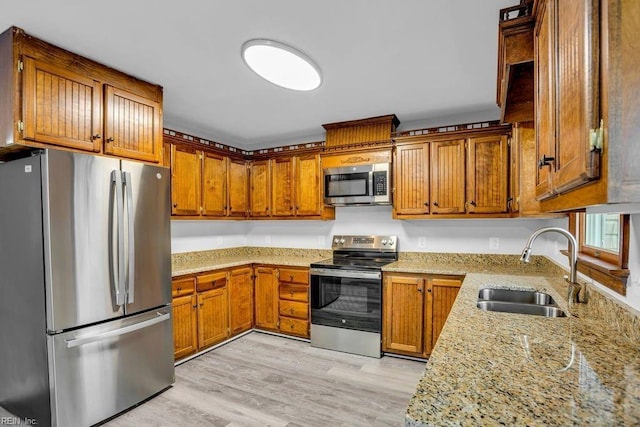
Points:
(418, 59)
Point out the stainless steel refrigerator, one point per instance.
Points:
(85, 286)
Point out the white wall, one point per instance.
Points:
(464, 236)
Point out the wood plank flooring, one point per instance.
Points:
(263, 379)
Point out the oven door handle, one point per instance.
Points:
(349, 274)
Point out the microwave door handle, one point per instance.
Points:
(128, 186)
(370, 190)
(118, 269)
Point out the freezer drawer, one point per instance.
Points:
(102, 370)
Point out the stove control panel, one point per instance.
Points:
(378, 243)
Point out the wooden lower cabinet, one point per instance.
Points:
(415, 309)
(266, 298)
(213, 317)
(240, 300)
(293, 285)
(185, 331)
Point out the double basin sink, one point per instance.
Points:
(518, 301)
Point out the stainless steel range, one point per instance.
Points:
(346, 294)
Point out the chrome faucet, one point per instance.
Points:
(574, 286)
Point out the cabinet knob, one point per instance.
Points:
(472, 203)
(436, 204)
(291, 326)
(291, 292)
(291, 310)
(426, 203)
(175, 205)
(110, 139)
(96, 136)
(545, 161)
(179, 288)
(291, 277)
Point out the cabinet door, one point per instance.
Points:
(185, 180)
(61, 107)
(441, 295)
(213, 317)
(577, 92)
(411, 180)
(238, 186)
(403, 314)
(260, 193)
(241, 300)
(544, 77)
(447, 176)
(282, 186)
(266, 298)
(214, 185)
(132, 126)
(308, 189)
(487, 174)
(185, 338)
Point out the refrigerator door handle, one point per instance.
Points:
(116, 179)
(128, 186)
(117, 332)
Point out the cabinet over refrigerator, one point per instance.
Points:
(85, 286)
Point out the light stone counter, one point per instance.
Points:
(492, 368)
(198, 262)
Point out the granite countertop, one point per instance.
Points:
(198, 262)
(492, 368)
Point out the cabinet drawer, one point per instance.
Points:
(212, 281)
(295, 276)
(294, 292)
(294, 327)
(299, 310)
(182, 287)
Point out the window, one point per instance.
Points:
(603, 241)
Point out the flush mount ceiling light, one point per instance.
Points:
(281, 64)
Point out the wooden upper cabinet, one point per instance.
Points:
(214, 184)
(132, 125)
(308, 176)
(577, 41)
(260, 191)
(240, 300)
(282, 186)
(544, 45)
(566, 41)
(266, 298)
(54, 98)
(448, 176)
(441, 294)
(411, 169)
(238, 185)
(185, 180)
(403, 313)
(487, 169)
(61, 107)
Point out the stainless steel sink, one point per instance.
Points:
(517, 301)
(521, 308)
(509, 295)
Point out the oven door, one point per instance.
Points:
(348, 299)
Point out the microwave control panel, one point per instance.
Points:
(380, 183)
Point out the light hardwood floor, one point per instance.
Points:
(262, 379)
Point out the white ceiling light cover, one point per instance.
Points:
(281, 64)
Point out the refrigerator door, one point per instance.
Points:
(148, 250)
(80, 226)
(102, 370)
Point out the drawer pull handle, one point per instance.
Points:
(179, 288)
(291, 277)
(291, 310)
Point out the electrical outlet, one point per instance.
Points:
(219, 240)
(494, 243)
(267, 239)
(422, 242)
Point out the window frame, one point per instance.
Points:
(608, 268)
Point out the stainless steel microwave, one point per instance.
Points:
(358, 185)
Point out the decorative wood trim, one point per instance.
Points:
(391, 118)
